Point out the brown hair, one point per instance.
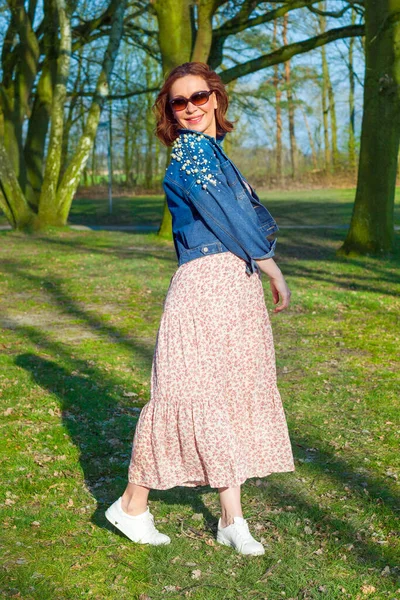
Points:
(166, 126)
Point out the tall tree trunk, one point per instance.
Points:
(12, 199)
(352, 86)
(72, 175)
(148, 159)
(70, 116)
(332, 112)
(324, 99)
(291, 109)
(48, 192)
(311, 140)
(17, 91)
(371, 227)
(278, 111)
(202, 47)
(173, 15)
(94, 161)
(35, 144)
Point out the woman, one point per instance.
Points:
(215, 416)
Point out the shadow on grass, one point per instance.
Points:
(101, 425)
(159, 251)
(96, 417)
(89, 407)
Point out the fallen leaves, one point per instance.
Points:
(368, 589)
(196, 574)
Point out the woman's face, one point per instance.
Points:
(201, 118)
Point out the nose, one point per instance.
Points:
(190, 107)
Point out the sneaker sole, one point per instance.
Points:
(231, 545)
(113, 517)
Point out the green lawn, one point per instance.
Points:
(315, 207)
(79, 313)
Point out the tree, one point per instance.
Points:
(32, 190)
(204, 43)
(290, 102)
(33, 195)
(371, 227)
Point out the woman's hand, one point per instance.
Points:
(279, 287)
(280, 291)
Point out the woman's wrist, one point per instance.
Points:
(269, 267)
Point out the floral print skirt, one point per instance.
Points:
(215, 416)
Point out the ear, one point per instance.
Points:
(215, 101)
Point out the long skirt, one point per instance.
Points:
(215, 415)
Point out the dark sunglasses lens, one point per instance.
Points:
(178, 103)
(200, 98)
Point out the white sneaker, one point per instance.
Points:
(138, 528)
(238, 536)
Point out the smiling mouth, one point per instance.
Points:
(195, 119)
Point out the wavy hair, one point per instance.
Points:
(166, 126)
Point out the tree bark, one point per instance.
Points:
(12, 199)
(24, 58)
(72, 175)
(331, 106)
(310, 139)
(371, 227)
(352, 86)
(172, 15)
(324, 98)
(47, 200)
(278, 112)
(291, 108)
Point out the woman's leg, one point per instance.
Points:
(229, 498)
(134, 499)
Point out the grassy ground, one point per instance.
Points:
(79, 313)
(316, 207)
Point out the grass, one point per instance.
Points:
(79, 313)
(316, 207)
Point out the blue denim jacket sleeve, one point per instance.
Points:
(195, 173)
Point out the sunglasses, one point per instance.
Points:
(198, 99)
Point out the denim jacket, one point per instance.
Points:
(212, 209)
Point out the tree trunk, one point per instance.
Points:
(310, 139)
(324, 99)
(278, 112)
(291, 109)
(12, 199)
(34, 150)
(352, 86)
(17, 91)
(332, 112)
(72, 175)
(371, 227)
(173, 15)
(47, 200)
(35, 143)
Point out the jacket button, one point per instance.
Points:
(205, 249)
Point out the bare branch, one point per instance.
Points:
(286, 52)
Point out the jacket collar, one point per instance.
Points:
(218, 141)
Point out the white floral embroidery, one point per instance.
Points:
(193, 163)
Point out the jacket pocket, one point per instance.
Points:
(265, 219)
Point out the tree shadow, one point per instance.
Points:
(94, 425)
(163, 252)
(90, 406)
